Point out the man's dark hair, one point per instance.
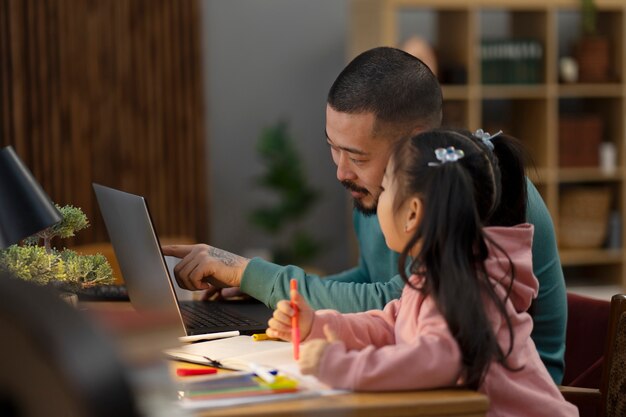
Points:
(394, 85)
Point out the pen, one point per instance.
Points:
(267, 375)
(195, 371)
(295, 328)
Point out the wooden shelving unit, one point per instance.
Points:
(532, 111)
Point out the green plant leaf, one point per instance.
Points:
(34, 263)
(285, 178)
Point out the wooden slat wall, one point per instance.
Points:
(108, 91)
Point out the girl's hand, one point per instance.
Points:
(280, 323)
(312, 352)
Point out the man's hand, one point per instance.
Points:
(204, 267)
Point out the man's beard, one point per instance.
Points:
(366, 211)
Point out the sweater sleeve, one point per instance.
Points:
(550, 306)
(358, 330)
(269, 283)
(430, 359)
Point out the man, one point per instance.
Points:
(382, 96)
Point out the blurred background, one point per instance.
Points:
(176, 101)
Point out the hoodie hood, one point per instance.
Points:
(516, 242)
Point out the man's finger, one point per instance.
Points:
(209, 294)
(179, 251)
(233, 292)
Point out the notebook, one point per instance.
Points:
(148, 281)
(246, 355)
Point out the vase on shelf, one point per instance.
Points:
(592, 55)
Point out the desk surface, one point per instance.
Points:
(459, 403)
(449, 402)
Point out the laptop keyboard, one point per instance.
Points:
(198, 316)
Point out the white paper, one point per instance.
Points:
(241, 351)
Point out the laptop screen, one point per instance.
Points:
(138, 251)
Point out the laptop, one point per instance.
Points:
(149, 283)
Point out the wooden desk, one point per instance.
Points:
(460, 403)
(450, 402)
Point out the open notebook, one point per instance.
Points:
(244, 354)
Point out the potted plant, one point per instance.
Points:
(284, 176)
(63, 269)
(592, 49)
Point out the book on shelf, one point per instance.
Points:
(511, 61)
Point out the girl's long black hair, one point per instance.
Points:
(459, 199)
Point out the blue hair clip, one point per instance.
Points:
(485, 137)
(448, 154)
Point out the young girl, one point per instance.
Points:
(461, 320)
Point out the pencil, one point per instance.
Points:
(295, 327)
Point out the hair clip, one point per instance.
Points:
(486, 137)
(448, 154)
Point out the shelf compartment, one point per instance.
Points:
(445, 30)
(600, 271)
(578, 175)
(608, 114)
(609, 25)
(455, 92)
(508, 91)
(525, 119)
(575, 257)
(589, 217)
(455, 114)
(539, 176)
(514, 43)
(589, 90)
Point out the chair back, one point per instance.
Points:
(585, 344)
(613, 386)
(54, 361)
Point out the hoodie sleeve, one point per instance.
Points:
(269, 283)
(429, 357)
(358, 330)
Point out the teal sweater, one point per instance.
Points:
(375, 281)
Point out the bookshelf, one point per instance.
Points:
(532, 112)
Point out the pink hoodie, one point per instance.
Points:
(408, 346)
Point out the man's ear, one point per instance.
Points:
(414, 215)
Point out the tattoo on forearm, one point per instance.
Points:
(227, 258)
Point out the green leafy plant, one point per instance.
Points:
(73, 220)
(588, 17)
(46, 265)
(285, 177)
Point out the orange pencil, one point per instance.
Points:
(295, 327)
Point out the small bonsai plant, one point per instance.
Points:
(46, 265)
(285, 177)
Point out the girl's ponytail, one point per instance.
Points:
(511, 160)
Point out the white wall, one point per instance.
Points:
(267, 61)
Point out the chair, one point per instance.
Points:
(587, 325)
(610, 399)
(55, 362)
